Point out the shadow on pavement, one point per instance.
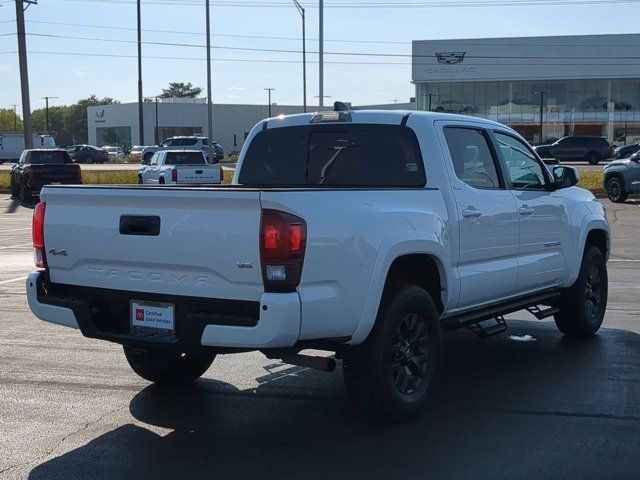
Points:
(14, 203)
(504, 408)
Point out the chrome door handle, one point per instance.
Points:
(471, 213)
(526, 210)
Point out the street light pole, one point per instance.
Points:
(24, 75)
(542, 94)
(321, 55)
(304, 55)
(209, 93)
(430, 96)
(46, 100)
(269, 90)
(155, 133)
(140, 98)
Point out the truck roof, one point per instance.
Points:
(374, 116)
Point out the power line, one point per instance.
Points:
(339, 53)
(369, 5)
(251, 60)
(179, 32)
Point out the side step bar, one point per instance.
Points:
(486, 328)
(465, 319)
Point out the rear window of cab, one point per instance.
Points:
(334, 155)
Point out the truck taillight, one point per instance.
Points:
(174, 175)
(283, 241)
(37, 233)
(221, 175)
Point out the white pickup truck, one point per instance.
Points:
(180, 167)
(362, 233)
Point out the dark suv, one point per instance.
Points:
(591, 149)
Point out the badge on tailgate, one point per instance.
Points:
(152, 315)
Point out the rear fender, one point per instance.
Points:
(391, 249)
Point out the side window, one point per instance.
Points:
(167, 143)
(154, 159)
(471, 156)
(523, 168)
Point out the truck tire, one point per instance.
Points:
(140, 182)
(583, 305)
(15, 191)
(25, 194)
(615, 190)
(389, 376)
(167, 368)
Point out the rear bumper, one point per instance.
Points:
(274, 322)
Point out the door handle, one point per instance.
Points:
(471, 212)
(526, 210)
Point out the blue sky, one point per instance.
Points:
(71, 77)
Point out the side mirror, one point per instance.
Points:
(146, 161)
(564, 176)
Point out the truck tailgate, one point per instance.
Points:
(201, 174)
(53, 173)
(199, 243)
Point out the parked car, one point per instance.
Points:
(136, 153)
(185, 143)
(364, 233)
(39, 167)
(455, 106)
(587, 148)
(178, 167)
(626, 151)
(12, 145)
(114, 152)
(622, 177)
(88, 154)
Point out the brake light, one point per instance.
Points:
(283, 239)
(174, 175)
(205, 148)
(37, 233)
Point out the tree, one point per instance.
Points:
(76, 119)
(180, 90)
(9, 121)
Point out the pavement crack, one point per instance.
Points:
(43, 456)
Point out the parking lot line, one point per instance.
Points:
(15, 230)
(12, 280)
(16, 246)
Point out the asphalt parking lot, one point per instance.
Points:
(548, 408)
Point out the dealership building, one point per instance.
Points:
(587, 84)
(118, 124)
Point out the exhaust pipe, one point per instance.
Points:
(324, 364)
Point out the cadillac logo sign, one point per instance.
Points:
(450, 58)
(100, 113)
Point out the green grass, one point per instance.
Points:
(592, 180)
(5, 179)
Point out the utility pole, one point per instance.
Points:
(304, 56)
(321, 55)
(24, 74)
(46, 99)
(269, 90)
(542, 94)
(140, 98)
(209, 93)
(15, 117)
